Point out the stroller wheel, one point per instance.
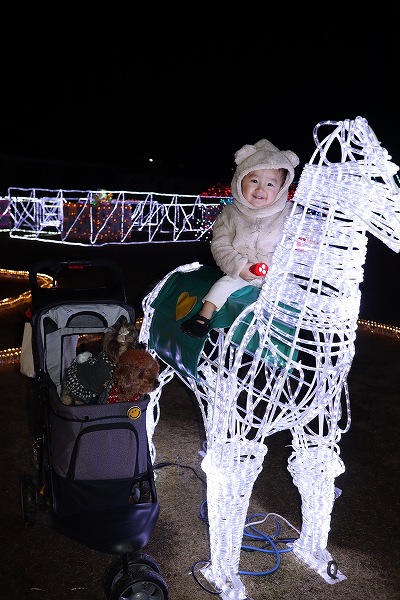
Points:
(136, 562)
(140, 585)
(28, 499)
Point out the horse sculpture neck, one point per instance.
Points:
(317, 266)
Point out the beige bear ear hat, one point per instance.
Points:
(263, 155)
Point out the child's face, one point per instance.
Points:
(261, 187)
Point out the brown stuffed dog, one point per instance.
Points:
(136, 374)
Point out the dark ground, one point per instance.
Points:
(38, 563)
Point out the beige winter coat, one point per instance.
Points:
(239, 239)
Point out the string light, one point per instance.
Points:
(11, 356)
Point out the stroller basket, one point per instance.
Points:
(96, 453)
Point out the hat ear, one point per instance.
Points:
(249, 149)
(244, 152)
(292, 157)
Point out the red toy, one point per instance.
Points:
(259, 269)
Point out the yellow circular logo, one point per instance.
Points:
(134, 412)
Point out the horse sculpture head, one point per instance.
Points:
(360, 183)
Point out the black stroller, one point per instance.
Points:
(93, 469)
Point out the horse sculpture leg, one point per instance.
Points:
(231, 469)
(314, 472)
(314, 465)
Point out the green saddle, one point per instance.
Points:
(179, 299)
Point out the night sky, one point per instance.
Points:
(112, 87)
(90, 93)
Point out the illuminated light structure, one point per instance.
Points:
(110, 217)
(246, 396)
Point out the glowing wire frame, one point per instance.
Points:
(317, 270)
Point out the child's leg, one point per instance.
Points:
(199, 325)
(207, 310)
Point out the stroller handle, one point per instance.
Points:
(98, 279)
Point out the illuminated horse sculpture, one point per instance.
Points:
(283, 363)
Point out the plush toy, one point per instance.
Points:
(136, 374)
(88, 378)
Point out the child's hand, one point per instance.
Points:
(247, 274)
(259, 269)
